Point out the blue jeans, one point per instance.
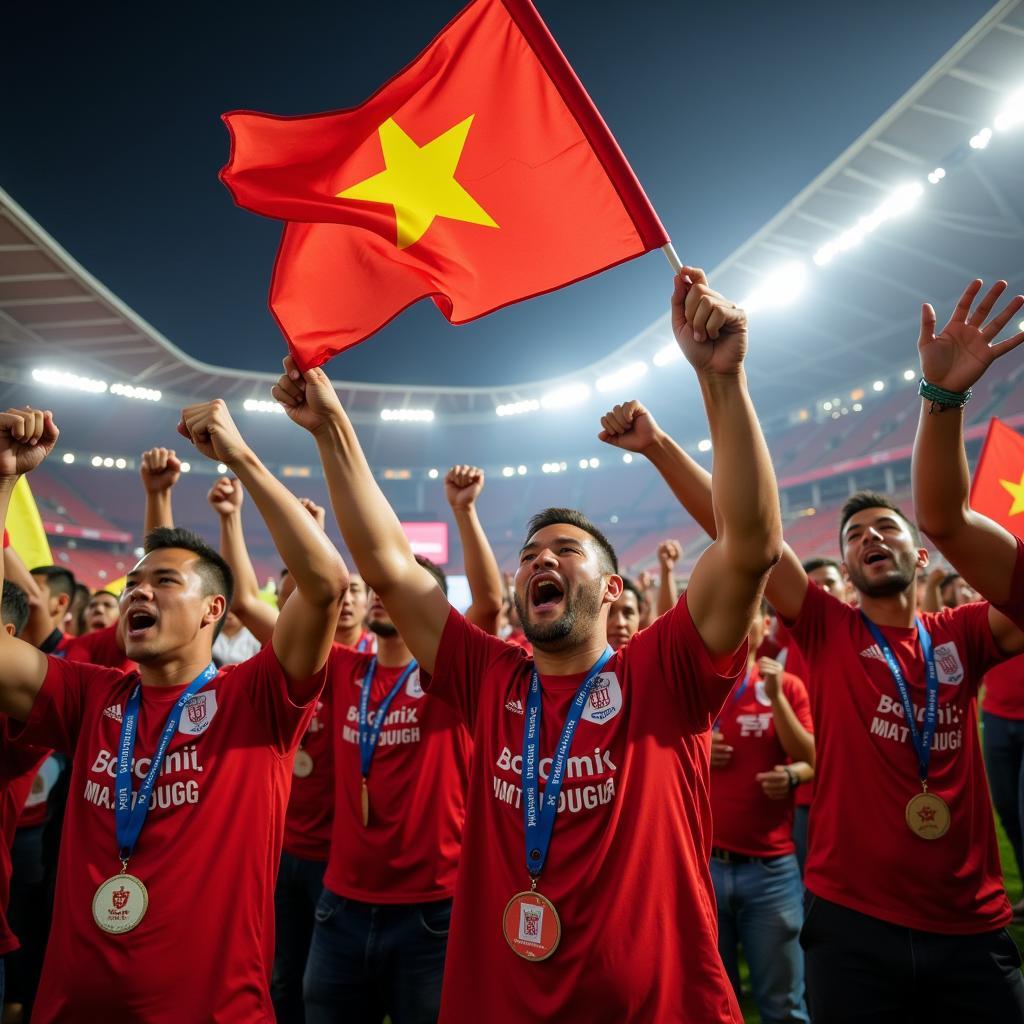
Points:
(1003, 743)
(299, 884)
(367, 960)
(760, 906)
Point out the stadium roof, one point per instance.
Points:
(855, 320)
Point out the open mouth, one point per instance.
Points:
(546, 593)
(876, 557)
(138, 622)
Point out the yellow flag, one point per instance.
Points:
(25, 527)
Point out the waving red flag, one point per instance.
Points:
(998, 487)
(480, 175)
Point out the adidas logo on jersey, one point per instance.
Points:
(515, 706)
(874, 651)
(114, 712)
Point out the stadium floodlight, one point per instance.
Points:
(261, 405)
(594, 463)
(508, 471)
(563, 397)
(121, 463)
(69, 457)
(583, 463)
(108, 462)
(981, 139)
(937, 175)
(779, 288)
(618, 379)
(407, 415)
(186, 467)
(131, 391)
(1012, 114)
(668, 355)
(910, 374)
(857, 407)
(433, 473)
(879, 385)
(63, 379)
(97, 461)
(827, 406)
(704, 446)
(898, 202)
(627, 457)
(221, 468)
(521, 470)
(518, 408)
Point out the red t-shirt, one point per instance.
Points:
(100, 647)
(409, 853)
(208, 853)
(1004, 689)
(307, 824)
(1014, 606)
(862, 854)
(628, 863)
(18, 767)
(745, 819)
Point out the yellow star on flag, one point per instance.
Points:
(420, 182)
(1017, 493)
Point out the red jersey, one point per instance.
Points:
(1014, 606)
(628, 863)
(310, 815)
(1004, 689)
(208, 853)
(745, 819)
(409, 852)
(862, 854)
(100, 647)
(18, 768)
(518, 638)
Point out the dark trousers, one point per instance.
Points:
(368, 960)
(1003, 743)
(861, 969)
(28, 916)
(801, 817)
(299, 884)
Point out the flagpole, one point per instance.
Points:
(673, 260)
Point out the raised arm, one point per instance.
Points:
(728, 579)
(932, 601)
(372, 531)
(27, 436)
(462, 486)
(257, 616)
(954, 361)
(669, 552)
(160, 471)
(305, 628)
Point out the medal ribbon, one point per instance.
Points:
(922, 740)
(734, 696)
(369, 734)
(538, 815)
(128, 817)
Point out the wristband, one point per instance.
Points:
(941, 398)
(794, 779)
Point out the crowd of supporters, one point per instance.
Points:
(584, 798)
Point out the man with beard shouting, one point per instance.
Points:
(606, 914)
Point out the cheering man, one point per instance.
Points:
(608, 914)
(164, 906)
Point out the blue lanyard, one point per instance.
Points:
(733, 698)
(922, 740)
(539, 816)
(368, 734)
(128, 817)
(364, 644)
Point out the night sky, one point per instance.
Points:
(111, 138)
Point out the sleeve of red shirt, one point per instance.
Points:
(56, 716)
(699, 684)
(463, 657)
(266, 684)
(1013, 608)
(969, 625)
(796, 693)
(810, 629)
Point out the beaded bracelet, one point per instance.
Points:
(942, 399)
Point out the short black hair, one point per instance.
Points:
(109, 593)
(950, 577)
(628, 584)
(570, 517)
(58, 579)
(213, 570)
(436, 571)
(15, 607)
(871, 499)
(814, 564)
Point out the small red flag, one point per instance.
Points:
(998, 487)
(480, 175)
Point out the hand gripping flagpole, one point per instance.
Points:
(673, 260)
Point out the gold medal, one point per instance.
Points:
(531, 926)
(928, 815)
(302, 766)
(364, 797)
(120, 903)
